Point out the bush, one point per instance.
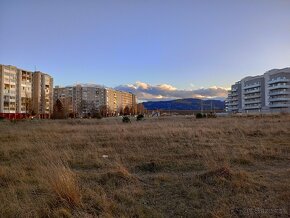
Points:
(97, 115)
(211, 115)
(140, 117)
(126, 119)
(199, 116)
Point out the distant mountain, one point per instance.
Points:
(185, 104)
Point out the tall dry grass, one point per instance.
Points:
(166, 167)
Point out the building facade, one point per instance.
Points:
(42, 97)
(268, 93)
(23, 93)
(84, 99)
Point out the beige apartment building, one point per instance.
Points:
(117, 100)
(42, 97)
(65, 95)
(82, 99)
(23, 93)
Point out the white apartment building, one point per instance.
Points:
(266, 93)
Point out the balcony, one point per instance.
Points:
(279, 86)
(279, 99)
(253, 101)
(279, 105)
(250, 107)
(252, 96)
(233, 108)
(284, 92)
(233, 104)
(232, 99)
(252, 86)
(234, 94)
(277, 80)
(252, 91)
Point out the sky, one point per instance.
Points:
(195, 47)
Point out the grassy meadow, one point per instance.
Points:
(162, 167)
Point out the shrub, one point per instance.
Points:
(211, 115)
(97, 115)
(126, 119)
(199, 115)
(140, 117)
(149, 167)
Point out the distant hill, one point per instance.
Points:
(185, 104)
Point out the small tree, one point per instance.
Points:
(58, 110)
(127, 110)
(28, 104)
(121, 111)
(104, 110)
(140, 108)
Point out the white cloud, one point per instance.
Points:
(147, 92)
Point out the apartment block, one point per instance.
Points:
(86, 98)
(234, 101)
(23, 93)
(266, 93)
(66, 96)
(42, 97)
(8, 92)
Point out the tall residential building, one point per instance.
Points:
(42, 97)
(8, 92)
(23, 92)
(65, 95)
(269, 92)
(86, 98)
(234, 98)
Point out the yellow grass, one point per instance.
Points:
(166, 167)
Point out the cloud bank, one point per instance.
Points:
(147, 92)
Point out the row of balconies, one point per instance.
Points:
(234, 94)
(277, 80)
(273, 93)
(233, 103)
(253, 101)
(252, 86)
(279, 99)
(280, 104)
(252, 90)
(279, 86)
(252, 106)
(252, 96)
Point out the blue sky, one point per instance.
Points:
(187, 44)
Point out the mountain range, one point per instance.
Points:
(185, 104)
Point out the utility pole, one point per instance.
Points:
(201, 106)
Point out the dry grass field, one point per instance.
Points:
(166, 167)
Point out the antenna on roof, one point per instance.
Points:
(34, 68)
